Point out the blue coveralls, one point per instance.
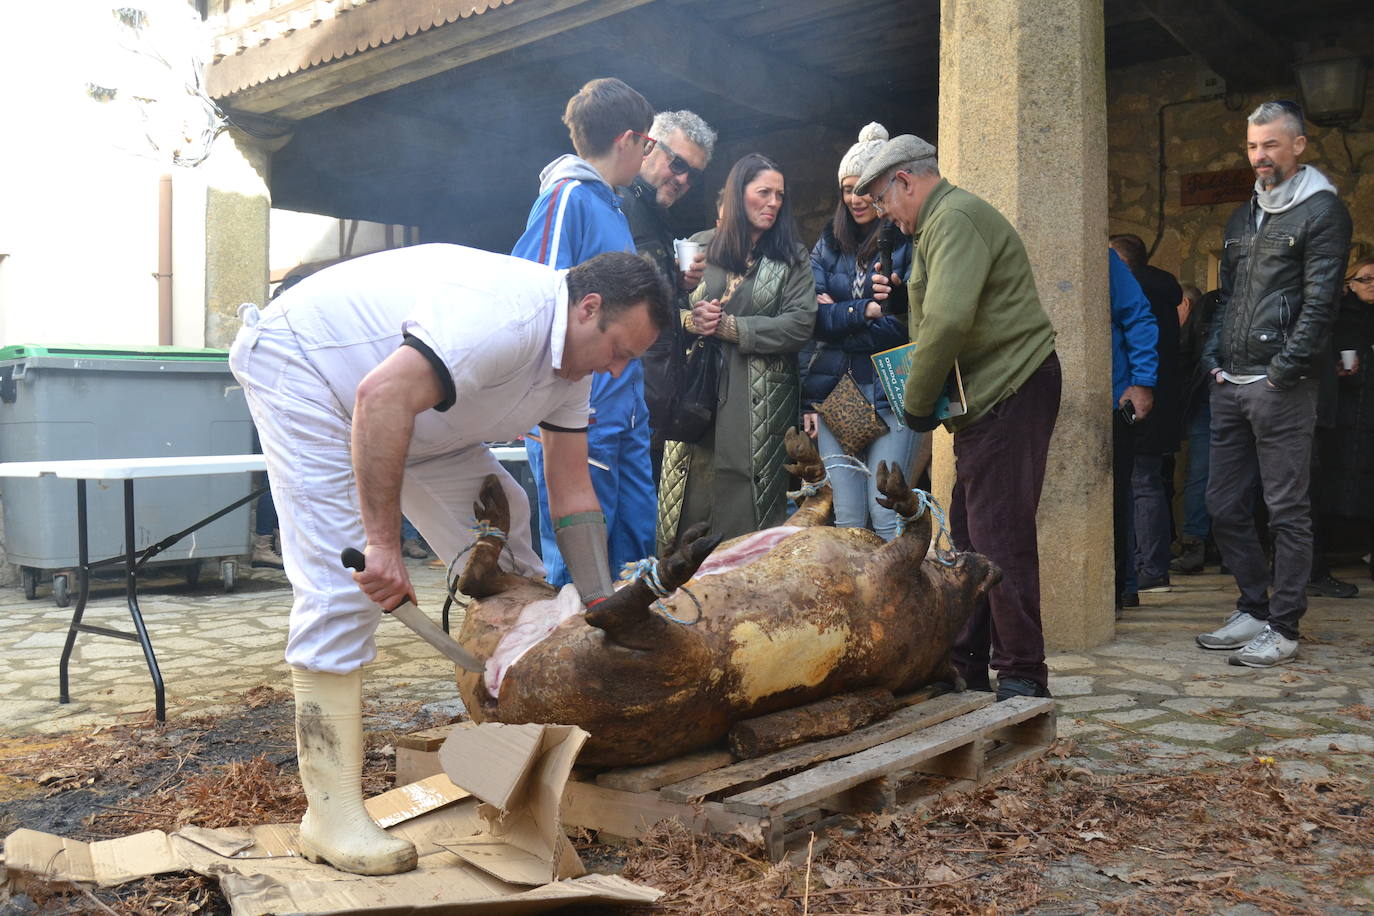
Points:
(576, 217)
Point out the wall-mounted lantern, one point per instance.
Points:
(1332, 83)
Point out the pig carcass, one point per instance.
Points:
(764, 622)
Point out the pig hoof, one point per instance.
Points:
(491, 506)
(692, 550)
(897, 496)
(803, 459)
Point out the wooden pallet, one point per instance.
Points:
(917, 754)
(778, 800)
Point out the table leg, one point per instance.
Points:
(83, 574)
(131, 593)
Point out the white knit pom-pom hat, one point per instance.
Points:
(871, 139)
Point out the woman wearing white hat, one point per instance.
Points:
(856, 318)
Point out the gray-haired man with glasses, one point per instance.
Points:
(1284, 258)
(683, 150)
(972, 298)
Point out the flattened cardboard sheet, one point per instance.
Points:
(495, 872)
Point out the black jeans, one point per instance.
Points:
(999, 466)
(1261, 433)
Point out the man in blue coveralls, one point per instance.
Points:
(576, 217)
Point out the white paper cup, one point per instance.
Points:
(686, 251)
(1348, 359)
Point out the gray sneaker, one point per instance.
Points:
(1238, 630)
(1266, 650)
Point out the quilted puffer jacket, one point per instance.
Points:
(1280, 285)
(843, 338)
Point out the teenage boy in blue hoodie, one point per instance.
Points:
(577, 216)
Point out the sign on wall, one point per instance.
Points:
(1219, 187)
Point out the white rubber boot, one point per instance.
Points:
(329, 745)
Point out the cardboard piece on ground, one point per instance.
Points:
(410, 801)
(261, 872)
(519, 771)
(105, 862)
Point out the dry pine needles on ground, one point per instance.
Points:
(1053, 837)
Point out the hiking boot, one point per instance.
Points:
(1129, 599)
(1266, 650)
(413, 549)
(1238, 630)
(1191, 557)
(264, 553)
(1330, 587)
(1008, 687)
(1146, 583)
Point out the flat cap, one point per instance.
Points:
(905, 148)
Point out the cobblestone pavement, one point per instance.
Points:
(1149, 699)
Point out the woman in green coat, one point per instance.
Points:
(757, 299)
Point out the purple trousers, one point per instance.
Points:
(999, 466)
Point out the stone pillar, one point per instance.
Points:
(238, 202)
(1023, 125)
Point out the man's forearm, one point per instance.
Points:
(381, 439)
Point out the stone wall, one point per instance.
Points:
(1202, 134)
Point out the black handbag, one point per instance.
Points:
(693, 406)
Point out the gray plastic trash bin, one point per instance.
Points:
(87, 402)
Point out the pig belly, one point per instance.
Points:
(801, 623)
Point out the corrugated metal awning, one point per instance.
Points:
(262, 42)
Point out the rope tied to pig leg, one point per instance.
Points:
(482, 529)
(646, 571)
(809, 488)
(925, 502)
(830, 463)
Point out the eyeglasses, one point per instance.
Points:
(1363, 281)
(679, 166)
(649, 142)
(878, 198)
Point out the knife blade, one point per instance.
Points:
(420, 624)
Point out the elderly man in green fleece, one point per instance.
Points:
(972, 298)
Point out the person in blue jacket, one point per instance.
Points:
(576, 217)
(1135, 367)
(855, 318)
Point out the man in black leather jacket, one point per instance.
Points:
(684, 148)
(1285, 254)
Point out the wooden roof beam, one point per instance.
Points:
(695, 53)
(1238, 49)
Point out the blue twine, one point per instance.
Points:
(482, 529)
(487, 529)
(646, 571)
(944, 546)
(847, 462)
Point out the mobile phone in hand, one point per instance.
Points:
(885, 243)
(1127, 411)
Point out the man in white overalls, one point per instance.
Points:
(373, 385)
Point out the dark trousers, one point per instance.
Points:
(1123, 505)
(1262, 434)
(1151, 516)
(999, 465)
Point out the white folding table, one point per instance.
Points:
(129, 470)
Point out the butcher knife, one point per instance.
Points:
(413, 617)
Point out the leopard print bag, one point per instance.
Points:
(851, 417)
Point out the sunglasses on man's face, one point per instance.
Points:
(679, 166)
